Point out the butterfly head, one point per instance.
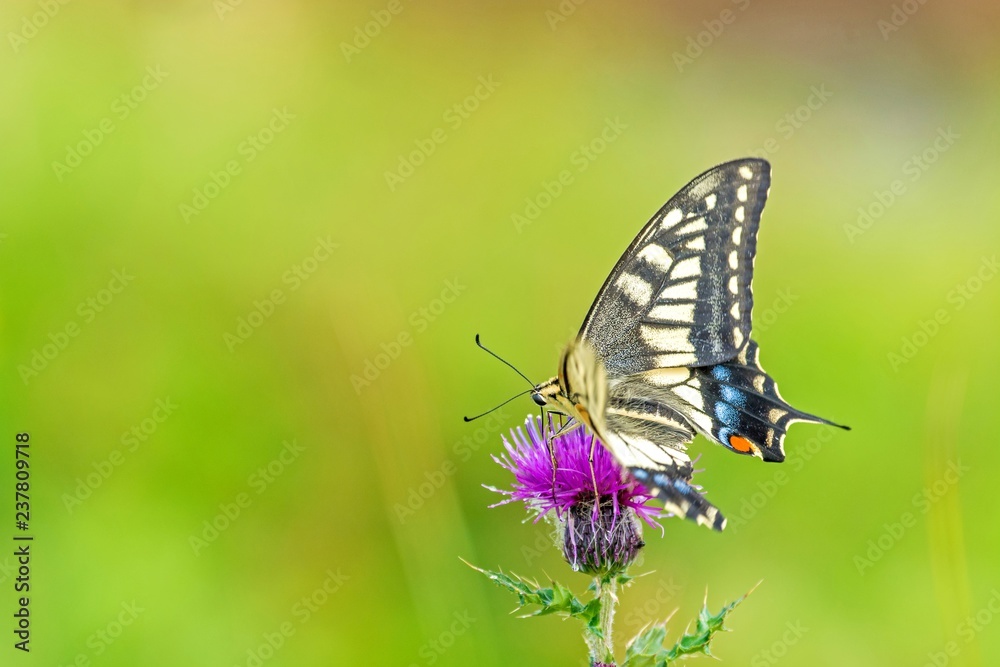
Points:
(581, 388)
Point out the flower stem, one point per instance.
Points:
(602, 650)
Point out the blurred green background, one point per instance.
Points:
(215, 215)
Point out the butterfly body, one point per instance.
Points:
(665, 351)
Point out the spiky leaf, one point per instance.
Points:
(647, 649)
(555, 599)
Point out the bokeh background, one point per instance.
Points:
(246, 247)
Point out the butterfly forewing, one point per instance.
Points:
(680, 295)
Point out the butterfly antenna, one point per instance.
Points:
(497, 356)
(469, 419)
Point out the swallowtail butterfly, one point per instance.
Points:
(665, 351)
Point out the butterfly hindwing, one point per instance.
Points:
(737, 405)
(647, 434)
(681, 293)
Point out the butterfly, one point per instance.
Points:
(665, 351)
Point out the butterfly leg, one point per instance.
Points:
(547, 430)
(593, 475)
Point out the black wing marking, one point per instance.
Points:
(737, 405)
(681, 293)
(680, 497)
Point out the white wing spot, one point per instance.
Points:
(656, 256)
(672, 217)
(746, 172)
(667, 339)
(735, 310)
(682, 312)
(698, 225)
(635, 288)
(710, 201)
(734, 286)
(675, 359)
(667, 377)
(687, 291)
(702, 421)
(691, 396)
(737, 337)
(697, 243)
(737, 235)
(657, 455)
(739, 214)
(774, 414)
(741, 193)
(758, 383)
(687, 268)
(734, 260)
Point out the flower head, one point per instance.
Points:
(597, 505)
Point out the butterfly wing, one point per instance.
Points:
(637, 421)
(680, 295)
(671, 327)
(737, 405)
(650, 438)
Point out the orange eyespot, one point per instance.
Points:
(740, 444)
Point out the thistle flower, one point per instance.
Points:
(597, 507)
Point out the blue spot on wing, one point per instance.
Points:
(721, 373)
(726, 413)
(681, 485)
(734, 396)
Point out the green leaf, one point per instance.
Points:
(556, 599)
(647, 649)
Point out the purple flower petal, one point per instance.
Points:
(528, 458)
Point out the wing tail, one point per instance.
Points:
(748, 415)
